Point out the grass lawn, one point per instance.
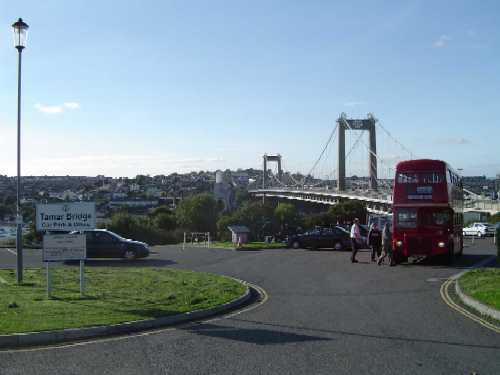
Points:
(250, 246)
(483, 284)
(113, 295)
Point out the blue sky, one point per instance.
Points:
(121, 88)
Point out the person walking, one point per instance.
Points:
(375, 241)
(386, 246)
(355, 239)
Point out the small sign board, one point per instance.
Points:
(421, 197)
(71, 216)
(424, 189)
(61, 247)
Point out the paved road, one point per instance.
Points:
(324, 316)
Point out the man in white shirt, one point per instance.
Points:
(355, 239)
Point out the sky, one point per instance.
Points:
(155, 87)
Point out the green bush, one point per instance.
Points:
(142, 229)
(165, 221)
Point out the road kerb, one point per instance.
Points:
(21, 340)
(444, 291)
(475, 304)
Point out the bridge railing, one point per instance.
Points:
(483, 205)
(384, 195)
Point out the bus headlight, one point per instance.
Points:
(399, 243)
(441, 244)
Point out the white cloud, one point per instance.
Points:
(454, 141)
(354, 103)
(442, 41)
(57, 108)
(72, 105)
(48, 108)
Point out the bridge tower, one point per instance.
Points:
(267, 158)
(356, 124)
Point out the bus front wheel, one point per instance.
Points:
(399, 258)
(451, 254)
(460, 253)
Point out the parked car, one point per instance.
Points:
(334, 238)
(102, 243)
(479, 230)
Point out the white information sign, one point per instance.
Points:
(74, 216)
(60, 247)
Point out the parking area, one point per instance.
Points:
(323, 315)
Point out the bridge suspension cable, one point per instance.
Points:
(325, 147)
(332, 136)
(388, 169)
(370, 151)
(396, 140)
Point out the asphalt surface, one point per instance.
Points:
(324, 315)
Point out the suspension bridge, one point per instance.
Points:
(327, 180)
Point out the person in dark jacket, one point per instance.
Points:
(374, 240)
(386, 246)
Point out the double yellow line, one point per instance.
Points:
(447, 299)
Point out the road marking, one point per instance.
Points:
(260, 290)
(449, 301)
(142, 334)
(436, 279)
(12, 251)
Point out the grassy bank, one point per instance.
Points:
(113, 295)
(483, 284)
(250, 246)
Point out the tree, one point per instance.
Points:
(286, 215)
(160, 210)
(165, 221)
(224, 221)
(323, 219)
(259, 218)
(28, 212)
(495, 218)
(342, 212)
(198, 213)
(241, 196)
(5, 210)
(123, 224)
(348, 210)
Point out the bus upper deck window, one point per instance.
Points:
(431, 178)
(407, 178)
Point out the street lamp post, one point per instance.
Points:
(20, 38)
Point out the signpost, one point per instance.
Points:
(63, 247)
(65, 217)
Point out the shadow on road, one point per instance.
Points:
(463, 262)
(253, 336)
(366, 335)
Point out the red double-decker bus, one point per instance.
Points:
(427, 210)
